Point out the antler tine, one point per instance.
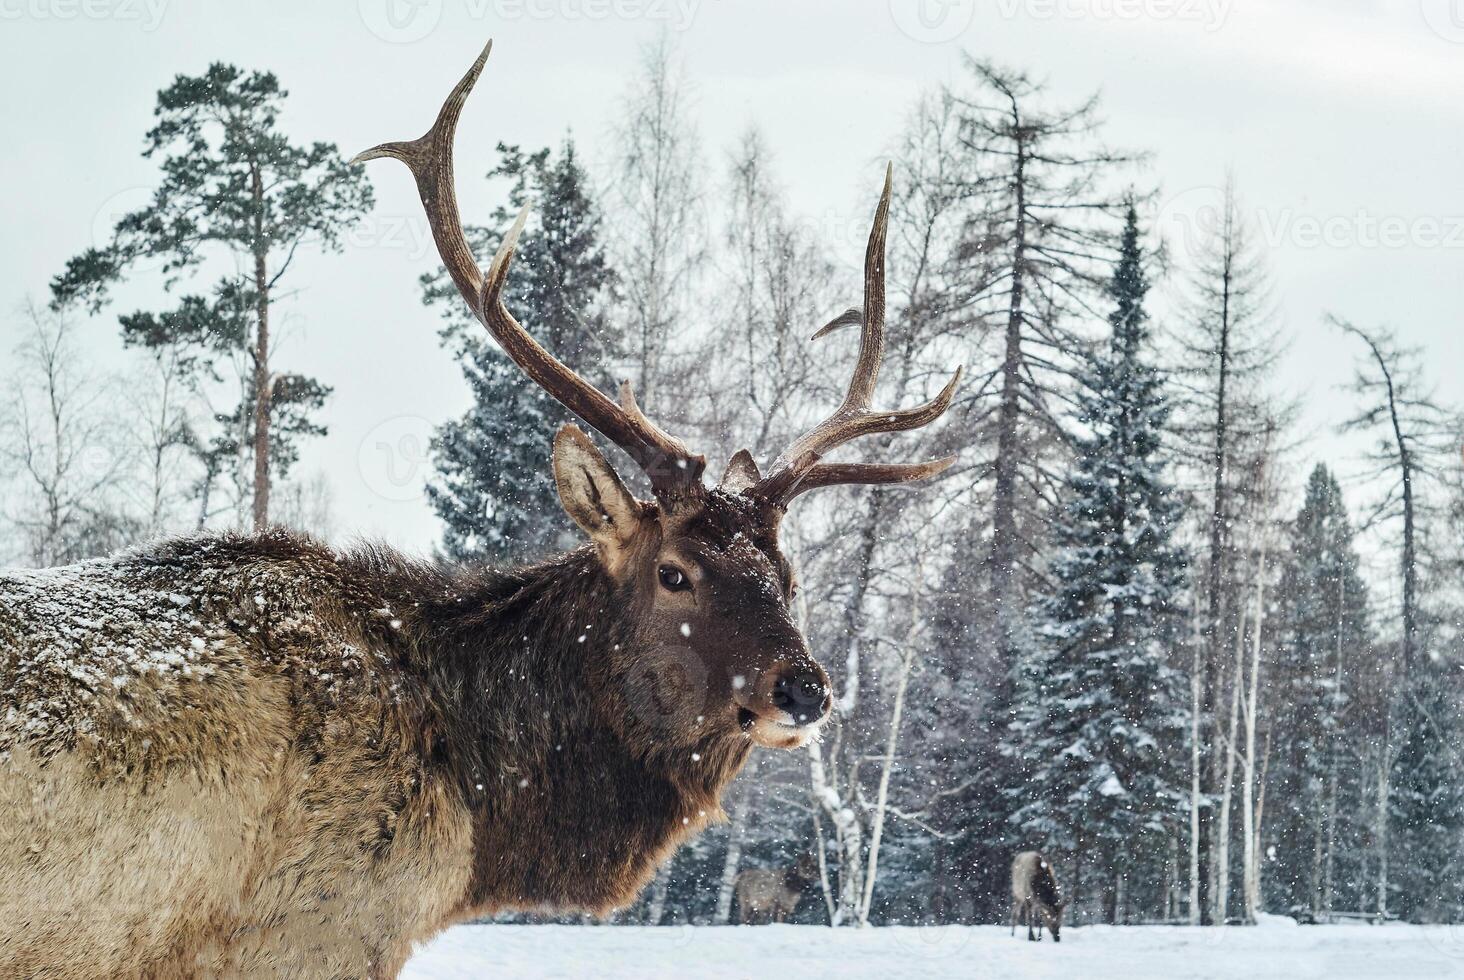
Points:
(797, 468)
(836, 474)
(671, 467)
(429, 158)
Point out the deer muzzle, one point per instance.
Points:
(786, 705)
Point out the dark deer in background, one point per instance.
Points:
(259, 756)
(1034, 895)
(766, 895)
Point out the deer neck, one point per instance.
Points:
(568, 811)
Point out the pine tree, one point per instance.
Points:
(1322, 636)
(1098, 710)
(493, 490)
(232, 181)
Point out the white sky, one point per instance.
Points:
(1343, 117)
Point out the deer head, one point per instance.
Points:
(706, 584)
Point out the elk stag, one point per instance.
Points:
(235, 755)
(1034, 893)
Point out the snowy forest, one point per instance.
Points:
(1126, 628)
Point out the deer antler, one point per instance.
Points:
(797, 468)
(674, 471)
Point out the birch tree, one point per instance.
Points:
(63, 448)
(658, 243)
(1227, 352)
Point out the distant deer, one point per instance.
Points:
(258, 756)
(1034, 895)
(767, 895)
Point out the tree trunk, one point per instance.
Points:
(1196, 826)
(262, 382)
(1380, 834)
(839, 798)
(1333, 752)
(1250, 878)
(1221, 905)
(1219, 512)
(1171, 882)
(891, 743)
(1255, 882)
(1004, 494)
(728, 884)
(1077, 899)
(660, 888)
(1318, 859)
(821, 850)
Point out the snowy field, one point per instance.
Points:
(1392, 952)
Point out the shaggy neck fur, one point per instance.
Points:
(574, 798)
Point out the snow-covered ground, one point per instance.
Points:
(1392, 952)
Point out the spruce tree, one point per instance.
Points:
(1322, 635)
(232, 183)
(1427, 799)
(1098, 710)
(493, 490)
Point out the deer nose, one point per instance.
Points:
(804, 695)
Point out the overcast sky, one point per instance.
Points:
(1342, 120)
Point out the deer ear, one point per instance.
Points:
(741, 473)
(593, 495)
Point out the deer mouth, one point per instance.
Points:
(783, 708)
(776, 730)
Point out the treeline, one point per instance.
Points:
(1124, 629)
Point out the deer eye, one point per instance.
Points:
(674, 579)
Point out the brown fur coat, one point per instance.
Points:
(258, 757)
